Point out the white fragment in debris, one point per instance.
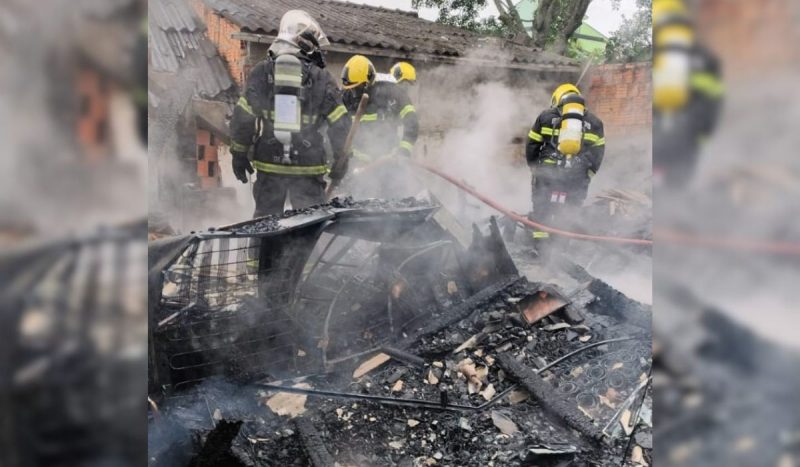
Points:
(398, 386)
(432, 379)
(396, 444)
(217, 415)
(170, 289)
(339, 412)
(625, 421)
(607, 402)
(451, 287)
(617, 365)
(513, 300)
(373, 419)
(556, 327)
(370, 365)
(577, 371)
(637, 455)
(489, 392)
(529, 338)
(467, 344)
(585, 338)
(463, 423)
(430, 461)
(483, 373)
(288, 404)
(503, 423)
(301, 353)
(744, 444)
(412, 423)
(478, 353)
(438, 456)
(438, 364)
(467, 368)
(489, 360)
(586, 412)
(518, 395)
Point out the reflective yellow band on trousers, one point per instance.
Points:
(540, 234)
(369, 117)
(361, 156)
(245, 106)
(281, 169)
(337, 113)
(407, 145)
(239, 147)
(406, 110)
(535, 136)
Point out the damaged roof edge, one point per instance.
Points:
(417, 56)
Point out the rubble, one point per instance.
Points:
(467, 381)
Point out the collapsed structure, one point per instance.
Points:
(375, 333)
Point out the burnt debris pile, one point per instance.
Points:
(368, 333)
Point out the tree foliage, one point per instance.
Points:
(553, 23)
(633, 40)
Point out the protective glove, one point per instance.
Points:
(241, 166)
(339, 167)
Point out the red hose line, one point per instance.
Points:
(524, 220)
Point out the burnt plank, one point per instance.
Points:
(315, 447)
(550, 399)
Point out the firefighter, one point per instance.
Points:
(288, 99)
(404, 73)
(388, 129)
(565, 149)
(687, 94)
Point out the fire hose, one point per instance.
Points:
(663, 234)
(524, 220)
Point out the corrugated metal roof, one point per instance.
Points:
(367, 26)
(178, 44)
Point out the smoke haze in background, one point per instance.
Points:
(725, 314)
(72, 233)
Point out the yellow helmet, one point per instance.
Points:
(404, 71)
(667, 10)
(358, 70)
(561, 91)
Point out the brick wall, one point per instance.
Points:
(749, 35)
(621, 95)
(207, 159)
(219, 32)
(94, 93)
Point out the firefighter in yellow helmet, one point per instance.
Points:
(289, 97)
(404, 72)
(389, 127)
(565, 148)
(687, 94)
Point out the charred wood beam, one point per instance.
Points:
(315, 446)
(404, 356)
(461, 311)
(552, 401)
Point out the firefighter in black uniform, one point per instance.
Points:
(687, 95)
(289, 98)
(389, 109)
(565, 149)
